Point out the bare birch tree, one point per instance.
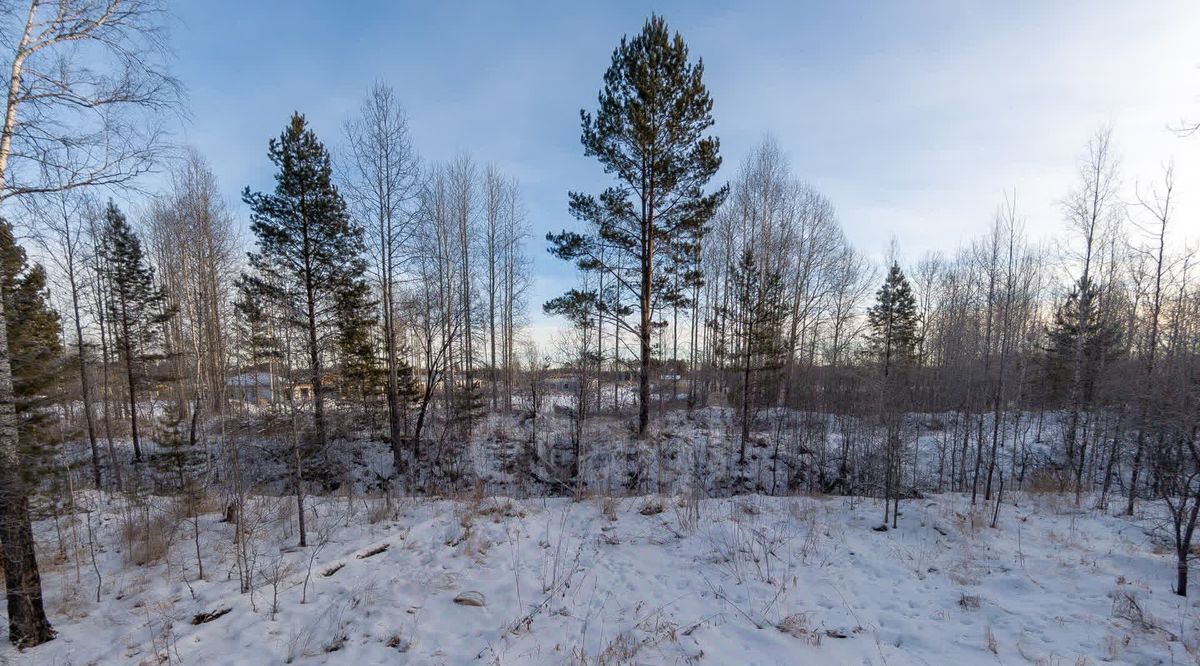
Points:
(381, 185)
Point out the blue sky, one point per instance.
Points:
(914, 118)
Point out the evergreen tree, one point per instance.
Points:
(408, 392)
(309, 256)
(34, 345)
(253, 323)
(894, 322)
(182, 462)
(649, 132)
(1101, 343)
(258, 340)
(137, 307)
(756, 319)
(361, 370)
(893, 342)
(175, 458)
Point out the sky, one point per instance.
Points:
(916, 119)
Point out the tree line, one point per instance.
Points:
(402, 283)
(1073, 366)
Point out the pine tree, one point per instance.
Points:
(34, 345)
(649, 132)
(182, 462)
(309, 255)
(254, 325)
(894, 322)
(361, 371)
(137, 307)
(1101, 342)
(1082, 341)
(174, 457)
(408, 393)
(756, 321)
(893, 343)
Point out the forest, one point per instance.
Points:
(216, 401)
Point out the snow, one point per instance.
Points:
(647, 580)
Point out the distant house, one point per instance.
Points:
(253, 388)
(302, 389)
(564, 384)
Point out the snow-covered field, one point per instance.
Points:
(648, 580)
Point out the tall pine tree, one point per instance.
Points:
(893, 341)
(649, 132)
(309, 256)
(137, 308)
(894, 321)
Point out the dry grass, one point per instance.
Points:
(687, 514)
(652, 507)
(475, 507)
(183, 507)
(1046, 480)
(797, 625)
(72, 601)
(1114, 646)
(499, 509)
(651, 633)
(147, 536)
(1127, 607)
(398, 642)
(379, 512)
(808, 515)
(1053, 503)
(609, 507)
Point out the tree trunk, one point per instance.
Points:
(746, 397)
(644, 335)
(395, 409)
(299, 493)
(106, 385)
(133, 422)
(314, 360)
(1181, 576)
(492, 316)
(85, 383)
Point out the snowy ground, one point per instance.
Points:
(746, 580)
